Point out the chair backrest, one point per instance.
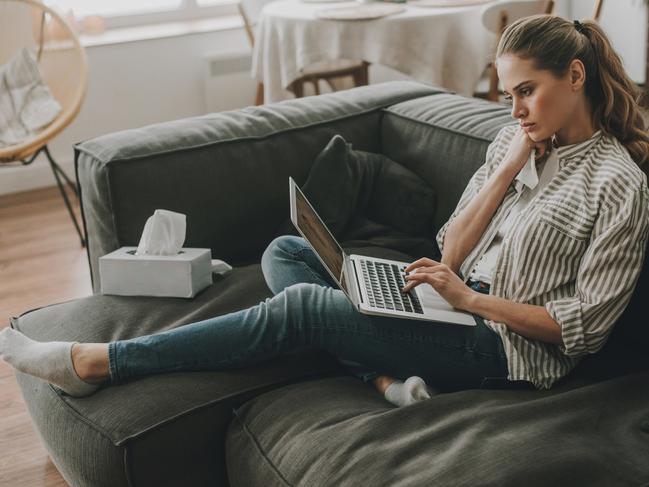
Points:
(250, 11)
(15, 29)
(597, 11)
(61, 60)
(498, 15)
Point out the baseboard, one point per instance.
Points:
(15, 179)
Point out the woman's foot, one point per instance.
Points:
(413, 390)
(50, 361)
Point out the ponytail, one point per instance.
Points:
(615, 98)
(553, 43)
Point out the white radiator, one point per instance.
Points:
(227, 83)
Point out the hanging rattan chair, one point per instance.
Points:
(63, 68)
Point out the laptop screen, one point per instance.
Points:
(313, 229)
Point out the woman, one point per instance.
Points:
(548, 238)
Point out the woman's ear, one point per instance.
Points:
(577, 73)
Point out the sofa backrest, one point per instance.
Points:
(443, 138)
(228, 172)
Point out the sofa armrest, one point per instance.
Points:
(228, 172)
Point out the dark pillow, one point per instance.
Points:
(368, 199)
(340, 183)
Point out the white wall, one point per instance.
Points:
(625, 22)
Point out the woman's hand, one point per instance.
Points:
(520, 149)
(443, 280)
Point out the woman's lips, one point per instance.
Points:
(529, 127)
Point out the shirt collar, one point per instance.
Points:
(568, 152)
(528, 176)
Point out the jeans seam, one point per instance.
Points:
(385, 335)
(112, 362)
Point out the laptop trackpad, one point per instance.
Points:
(439, 309)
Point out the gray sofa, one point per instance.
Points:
(302, 419)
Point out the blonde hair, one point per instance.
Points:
(552, 43)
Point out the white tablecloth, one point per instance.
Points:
(446, 47)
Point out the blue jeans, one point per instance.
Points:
(307, 310)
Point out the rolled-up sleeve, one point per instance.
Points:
(606, 278)
(495, 153)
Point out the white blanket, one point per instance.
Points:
(26, 104)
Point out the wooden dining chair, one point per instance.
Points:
(64, 70)
(496, 17)
(597, 11)
(336, 73)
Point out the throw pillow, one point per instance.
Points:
(368, 199)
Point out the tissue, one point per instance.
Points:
(159, 265)
(220, 267)
(163, 234)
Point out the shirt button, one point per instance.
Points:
(644, 426)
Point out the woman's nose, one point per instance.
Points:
(518, 110)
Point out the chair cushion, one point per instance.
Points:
(341, 432)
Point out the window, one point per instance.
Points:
(126, 13)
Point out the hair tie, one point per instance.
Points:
(581, 28)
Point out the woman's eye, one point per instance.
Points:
(508, 98)
(525, 91)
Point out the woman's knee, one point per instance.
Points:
(280, 248)
(307, 301)
(303, 292)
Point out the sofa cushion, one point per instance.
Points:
(339, 432)
(165, 429)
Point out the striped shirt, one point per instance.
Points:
(577, 250)
(531, 184)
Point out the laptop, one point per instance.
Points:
(372, 284)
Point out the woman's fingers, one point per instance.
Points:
(422, 274)
(425, 273)
(410, 285)
(423, 262)
(413, 283)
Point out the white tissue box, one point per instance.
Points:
(182, 275)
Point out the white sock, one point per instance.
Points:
(413, 390)
(50, 361)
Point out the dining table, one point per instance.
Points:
(437, 42)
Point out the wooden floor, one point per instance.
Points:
(41, 262)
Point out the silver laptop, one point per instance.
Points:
(373, 285)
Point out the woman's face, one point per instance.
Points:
(542, 103)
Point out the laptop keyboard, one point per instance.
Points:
(383, 283)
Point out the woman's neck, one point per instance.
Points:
(579, 129)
